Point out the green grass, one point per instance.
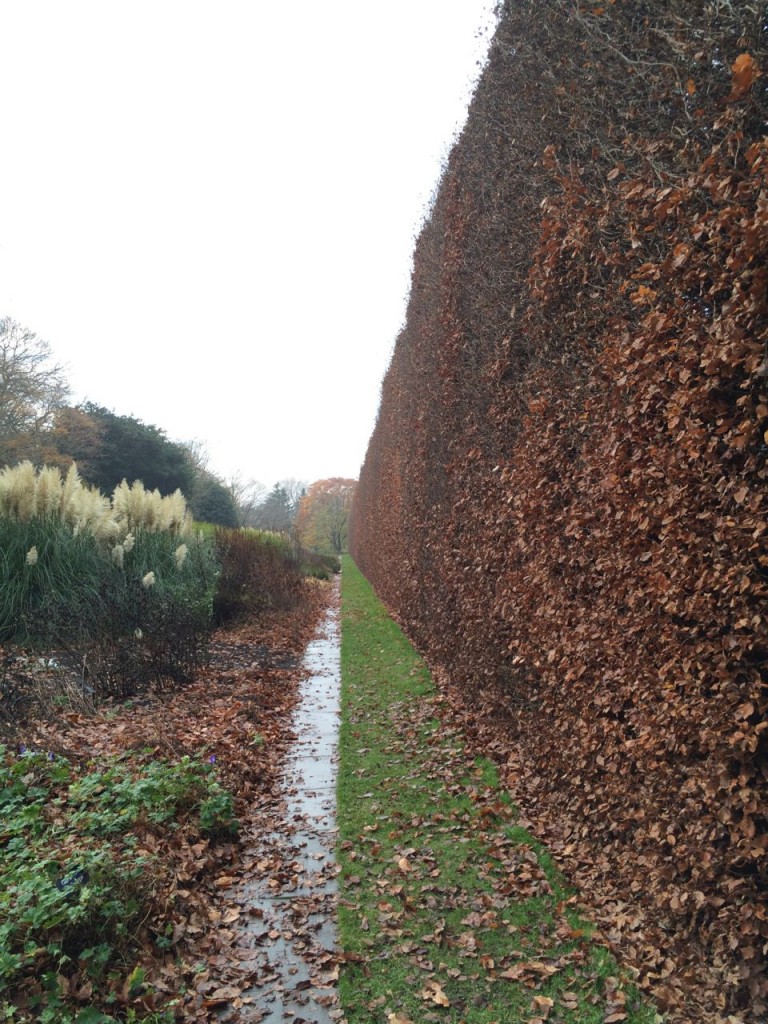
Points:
(449, 909)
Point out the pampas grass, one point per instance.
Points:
(111, 576)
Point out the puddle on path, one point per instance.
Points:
(288, 936)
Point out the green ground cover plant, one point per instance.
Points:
(450, 910)
(79, 883)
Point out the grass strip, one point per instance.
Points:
(449, 910)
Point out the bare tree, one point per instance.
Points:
(247, 495)
(295, 491)
(198, 454)
(32, 387)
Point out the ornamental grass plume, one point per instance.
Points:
(136, 508)
(70, 489)
(174, 515)
(148, 580)
(17, 491)
(129, 502)
(31, 558)
(180, 555)
(26, 493)
(90, 512)
(48, 492)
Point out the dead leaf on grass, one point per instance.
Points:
(433, 992)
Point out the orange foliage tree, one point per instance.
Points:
(321, 522)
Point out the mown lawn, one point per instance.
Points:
(450, 911)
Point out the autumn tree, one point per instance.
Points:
(74, 436)
(32, 387)
(323, 515)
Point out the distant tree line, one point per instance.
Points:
(37, 423)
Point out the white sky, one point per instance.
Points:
(208, 209)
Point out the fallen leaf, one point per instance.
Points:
(433, 992)
(542, 1005)
(643, 294)
(222, 995)
(745, 71)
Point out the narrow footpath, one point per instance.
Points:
(286, 934)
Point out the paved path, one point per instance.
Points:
(289, 896)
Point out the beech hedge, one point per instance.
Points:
(564, 498)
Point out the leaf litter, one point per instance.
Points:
(237, 714)
(226, 941)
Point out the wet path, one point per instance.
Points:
(288, 935)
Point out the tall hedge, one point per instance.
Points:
(564, 499)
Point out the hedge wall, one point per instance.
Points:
(564, 499)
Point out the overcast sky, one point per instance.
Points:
(208, 209)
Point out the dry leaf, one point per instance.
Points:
(542, 1006)
(222, 995)
(433, 992)
(745, 71)
(643, 294)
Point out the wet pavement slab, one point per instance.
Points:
(287, 933)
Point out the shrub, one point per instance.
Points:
(259, 570)
(564, 496)
(321, 567)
